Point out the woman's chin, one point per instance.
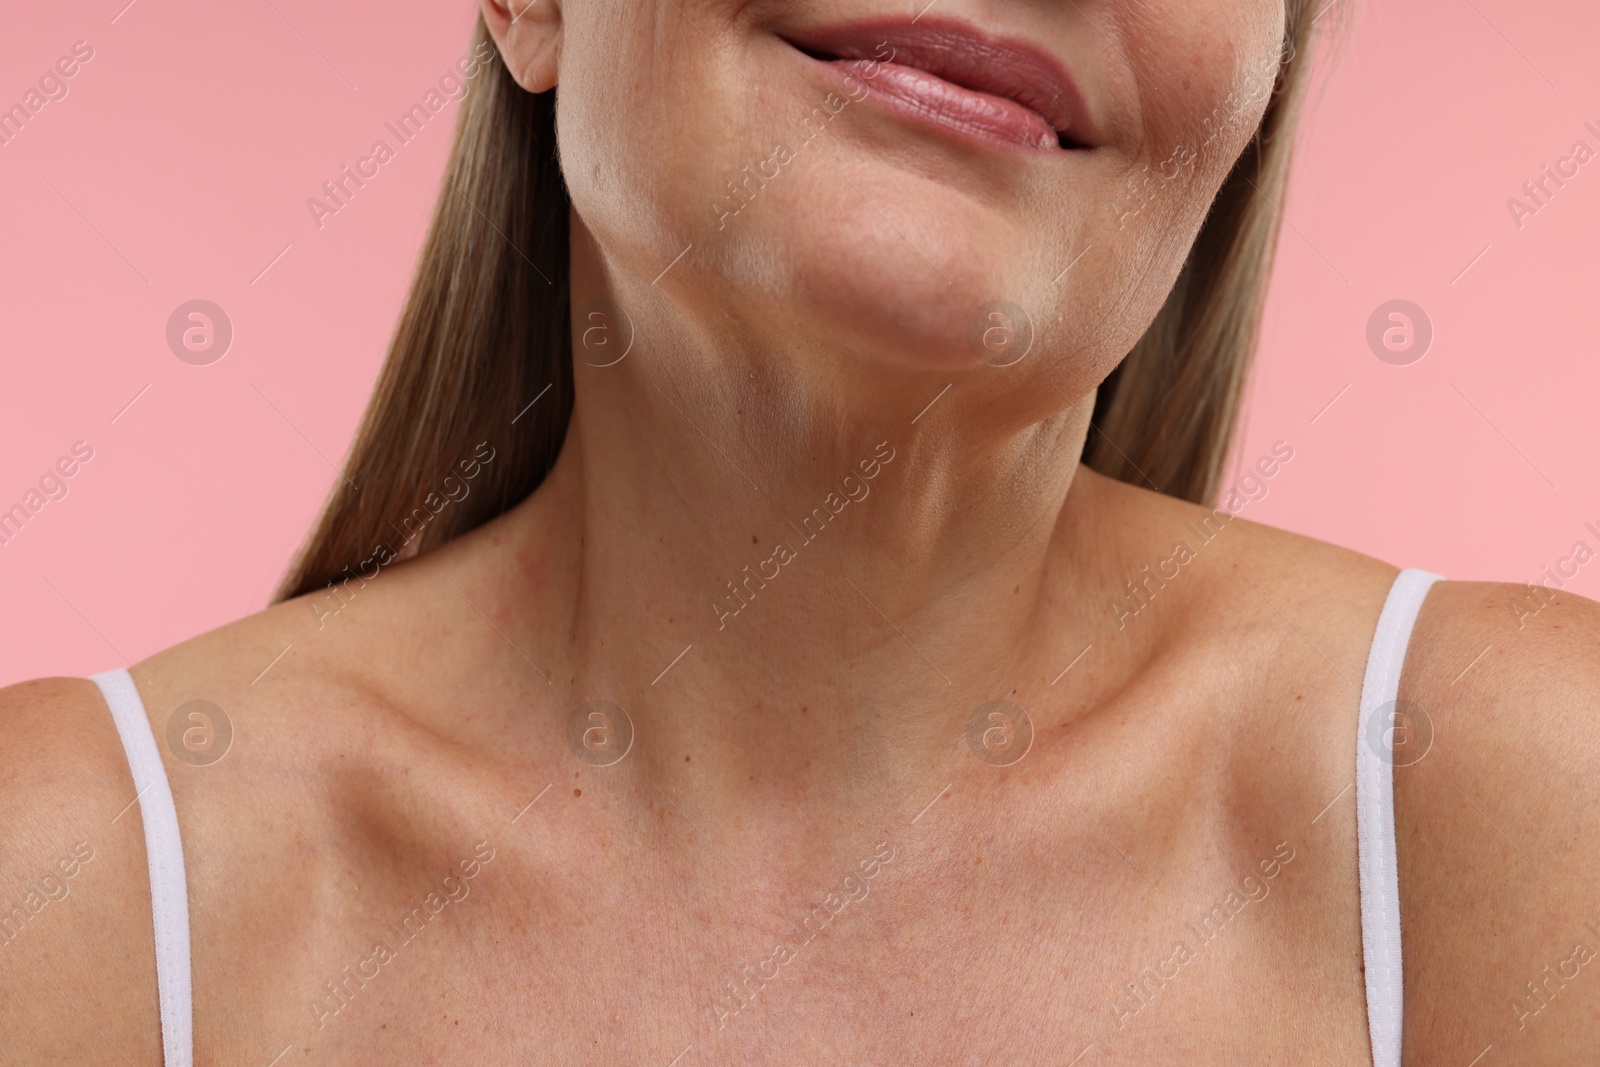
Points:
(972, 321)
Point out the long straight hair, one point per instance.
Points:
(482, 352)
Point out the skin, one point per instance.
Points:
(1193, 747)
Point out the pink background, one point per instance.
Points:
(179, 164)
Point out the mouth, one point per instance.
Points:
(955, 75)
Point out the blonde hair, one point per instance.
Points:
(482, 349)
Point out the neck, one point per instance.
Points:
(765, 583)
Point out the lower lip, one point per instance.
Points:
(931, 99)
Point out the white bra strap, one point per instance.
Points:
(1375, 843)
(169, 893)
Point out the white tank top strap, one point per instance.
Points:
(169, 892)
(1375, 836)
(1375, 841)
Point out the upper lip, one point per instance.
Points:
(963, 55)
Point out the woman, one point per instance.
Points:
(776, 612)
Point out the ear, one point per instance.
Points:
(528, 35)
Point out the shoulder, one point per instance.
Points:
(1498, 825)
(1243, 581)
(287, 693)
(76, 940)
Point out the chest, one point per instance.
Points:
(934, 948)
